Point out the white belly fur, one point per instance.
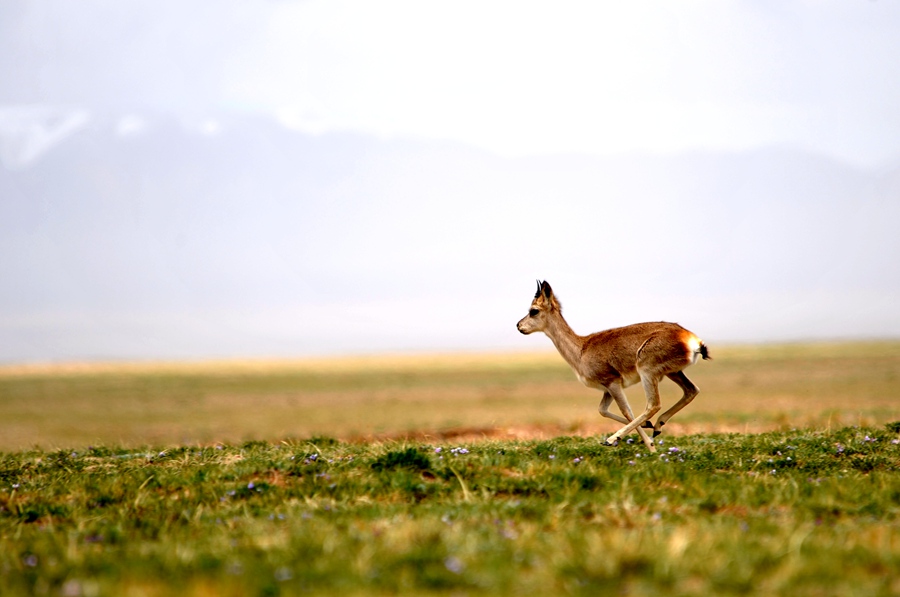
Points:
(589, 382)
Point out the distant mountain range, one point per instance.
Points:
(144, 236)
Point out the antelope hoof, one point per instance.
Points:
(611, 445)
(658, 431)
(647, 424)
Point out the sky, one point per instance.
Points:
(290, 178)
(512, 77)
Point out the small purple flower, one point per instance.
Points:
(438, 450)
(235, 568)
(840, 449)
(250, 485)
(674, 450)
(283, 574)
(577, 460)
(454, 565)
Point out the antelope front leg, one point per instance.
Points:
(651, 389)
(615, 392)
(604, 410)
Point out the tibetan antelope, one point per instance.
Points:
(615, 359)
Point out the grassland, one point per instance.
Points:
(780, 513)
(449, 475)
(745, 389)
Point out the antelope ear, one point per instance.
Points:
(546, 290)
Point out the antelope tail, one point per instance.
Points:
(704, 352)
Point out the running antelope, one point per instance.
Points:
(615, 359)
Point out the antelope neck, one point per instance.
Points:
(567, 342)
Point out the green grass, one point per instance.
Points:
(779, 513)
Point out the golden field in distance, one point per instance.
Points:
(744, 389)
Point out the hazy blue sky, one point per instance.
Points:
(191, 179)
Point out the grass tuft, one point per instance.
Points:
(410, 458)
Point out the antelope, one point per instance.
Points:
(614, 359)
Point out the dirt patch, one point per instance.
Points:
(549, 431)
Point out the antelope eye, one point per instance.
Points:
(533, 313)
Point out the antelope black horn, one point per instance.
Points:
(538, 293)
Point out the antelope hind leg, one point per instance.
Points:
(690, 392)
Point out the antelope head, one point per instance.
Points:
(542, 308)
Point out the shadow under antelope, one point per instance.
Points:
(614, 359)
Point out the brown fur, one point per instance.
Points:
(614, 359)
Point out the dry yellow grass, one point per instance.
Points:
(745, 389)
(345, 364)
